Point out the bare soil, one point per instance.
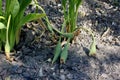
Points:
(33, 55)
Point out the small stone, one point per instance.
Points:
(113, 23)
(104, 75)
(54, 74)
(110, 38)
(59, 5)
(41, 72)
(49, 60)
(62, 70)
(69, 76)
(62, 77)
(52, 68)
(107, 6)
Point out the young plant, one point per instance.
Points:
(11, 21)
(70, 29)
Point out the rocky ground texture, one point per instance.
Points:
(33, 55)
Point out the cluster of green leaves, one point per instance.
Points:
(62, 50)
(69, 30)
(11, 21)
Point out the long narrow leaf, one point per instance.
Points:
(57, 51)
(8, 2)
(64, 3)
(7, 46)
(78, 4)
(64, 53)
(30, 17)
(49, 26)
(24, 4)
(12, 38)
(69, 35)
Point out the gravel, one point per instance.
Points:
(33, 60)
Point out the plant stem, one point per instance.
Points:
(7, 46)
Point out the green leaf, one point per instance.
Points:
(64, 3)
(57, 51)
(30, 17)
(18, 32)
(15, 8)
(78, 3)
(49, 26)
(8, 2)
(1, 17)
(12, 7)
(93, 49)
(24, 4)
(12, 38)
(68, 35)
(7, 45)
(2, 26)
(64, 53)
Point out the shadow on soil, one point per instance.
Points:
(32, 58)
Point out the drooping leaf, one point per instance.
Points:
(57, 51)
(64, 53)
(49, 27)
(68, 35)
(92, 49)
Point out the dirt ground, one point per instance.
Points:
(33, 55)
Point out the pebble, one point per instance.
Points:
(104, 75)
(85, 68)
(59, 5)
(62, 70)
(62, 77)
(41, 72)
(69, 76)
